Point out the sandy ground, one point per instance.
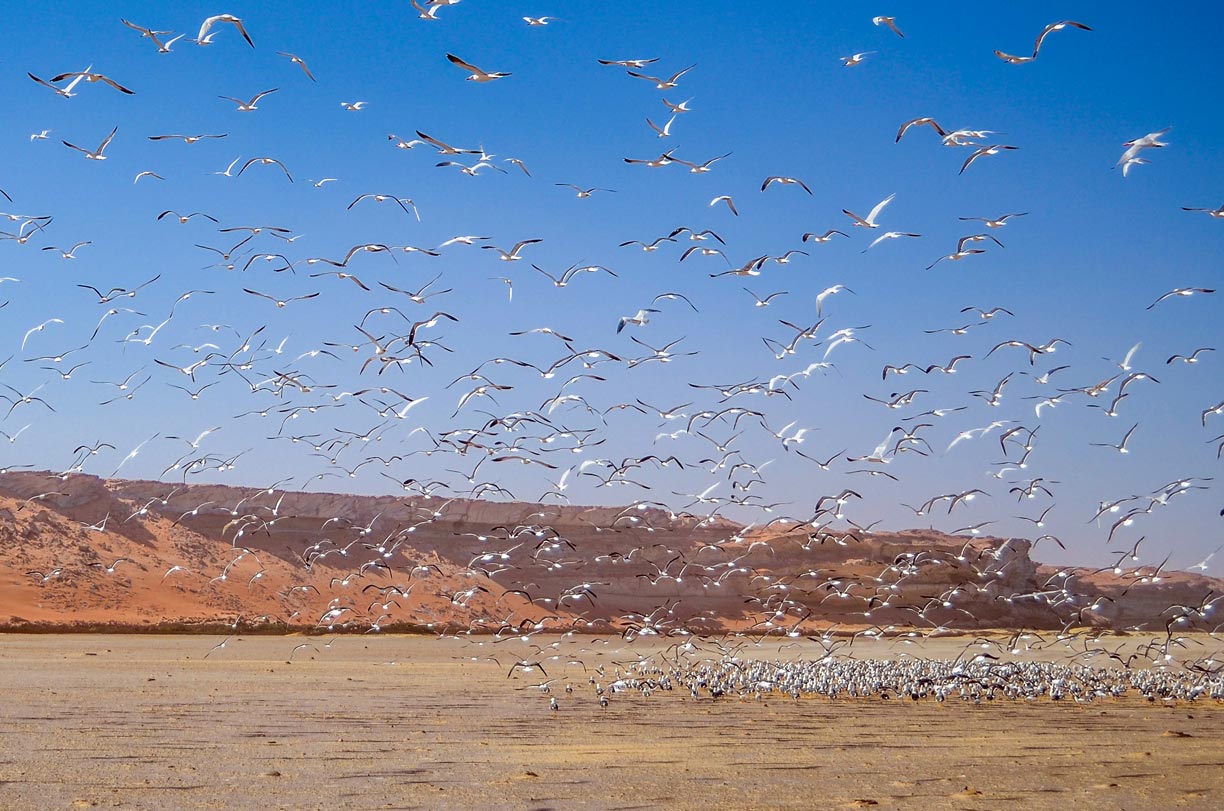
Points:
(146, 722)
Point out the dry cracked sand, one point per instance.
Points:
(146, 722)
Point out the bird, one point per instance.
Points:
(205, 38)
(95, 155)
(583, 193)
(641, 318)
(91, 77)
(249, 106)
(354, 106)
(724, 198)
(280, 303)
(786, 181)
(511, 255)
(891, 22)
(662, 84)
(1121, 446)
(825, 237)
(297, 60)
(855, 59)
(1180, 292)
(478, 75)
(870, 220)
(538, 21)
(1056, 26)
(889, 235)
(991, 149)
(1215, 213)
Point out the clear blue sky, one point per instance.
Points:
(768, 87)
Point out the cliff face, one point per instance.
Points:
(84, 552)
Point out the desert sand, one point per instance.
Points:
(392, 722)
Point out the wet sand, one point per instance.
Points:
(145, 722)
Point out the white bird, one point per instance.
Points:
(537, 21)
(354, 106)
(640, 319)
(725, 198)
(991, 149)
(95, 155)
(508, 256)
(39, 328)
(297, 60)
(248, 106)
(42, 136)
(204, 38)
(891, 22)
(478, 75)
(889, 235)
(870, 220)
(856, 59)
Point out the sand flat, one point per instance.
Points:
(406, 722)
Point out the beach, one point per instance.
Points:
(393, 722)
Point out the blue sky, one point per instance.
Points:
(768, 86)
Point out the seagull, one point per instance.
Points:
(71, 252)
(920, 122)
(280, 304)
(92, 77)
(1192, 357)
(891, 22)
(665, 130)
(187, 139)
(354, 106)
(204, 38)
(513, 254)
(830, 291)
(478, 75)
(538, 21)
(42, 136)
(1216, 213)
(700, 168)
(1181, 291)
(786, 181)
(640, 319)
(992, 149)
(96, 155)
(888, 235)
(1052, 27)
(162, 47)
(248, 106)
(825, 237)
(870, 221)
(628, 63)
(1121, 446)
(856, 59)
(583, 193)
(265, 162)
(998, 222)
(403, 202)
(66, 91)
(297, 60)
(725, 198)
(662, 84)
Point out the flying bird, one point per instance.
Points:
(478, 75)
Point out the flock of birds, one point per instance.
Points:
(355, 396)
